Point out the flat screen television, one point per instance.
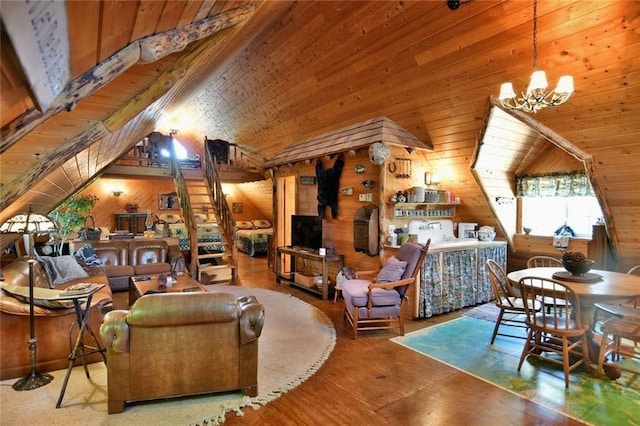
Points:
(306, 231)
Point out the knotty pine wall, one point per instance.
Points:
(145, 192)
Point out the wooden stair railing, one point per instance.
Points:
(186, 210)
(222, 211)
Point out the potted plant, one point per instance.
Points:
(69, 216)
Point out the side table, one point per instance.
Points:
(80, 350)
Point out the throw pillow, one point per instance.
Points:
(87, 257)
(62, 269)
(392, 270)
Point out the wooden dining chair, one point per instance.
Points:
(604, 311)
(616, 333)
(509, 303)
(550, 331)
(545, 262)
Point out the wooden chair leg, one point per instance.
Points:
(495, 328)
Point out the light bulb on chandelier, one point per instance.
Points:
(536, 96)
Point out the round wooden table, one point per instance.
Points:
(614, 287)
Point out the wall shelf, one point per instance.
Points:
(423, 210)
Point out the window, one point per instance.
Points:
(181, 152)
(544, 215)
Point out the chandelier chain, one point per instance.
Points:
(535, 34)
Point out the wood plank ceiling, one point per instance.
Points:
(282, 72)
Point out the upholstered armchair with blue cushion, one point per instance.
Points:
(375, 300)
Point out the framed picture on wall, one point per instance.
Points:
(307, 180)
(168, 201)
(236, 207)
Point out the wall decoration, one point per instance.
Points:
(359, 169)
(168, 201)
(236, 207)
(307, 180)
(347, 191)
(378, 153)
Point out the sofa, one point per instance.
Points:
(122, 259)
(53, 320)
(174, 344)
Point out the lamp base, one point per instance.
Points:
(31, 381)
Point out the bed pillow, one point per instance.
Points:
(169, 218)
(261, 224)
(62, 269)
(392, 270)
(244, 224)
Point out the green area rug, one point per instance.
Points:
(463, 343)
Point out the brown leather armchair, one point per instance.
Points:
(52, 324)
(174, 344)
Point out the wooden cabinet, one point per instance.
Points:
(324, 262)
(131, 222)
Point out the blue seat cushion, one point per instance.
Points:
(355, 294)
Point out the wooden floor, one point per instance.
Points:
(372, 381)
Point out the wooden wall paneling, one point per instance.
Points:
(116, 26)
(204, 9)
(260, 194)
(15, 98)
(147, 19)
(170, 16)
(190, 13)
(83, 39)
(307, 195)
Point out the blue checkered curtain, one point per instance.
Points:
(565, 184)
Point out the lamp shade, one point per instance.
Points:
(565, 85)
(28, 222)
(538, 81)
(506, 91)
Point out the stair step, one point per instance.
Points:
(213, 255)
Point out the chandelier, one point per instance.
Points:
(536, 96)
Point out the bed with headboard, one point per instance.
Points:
(252, 236)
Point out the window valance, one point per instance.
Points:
(563, 184)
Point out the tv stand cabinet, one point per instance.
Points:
(312, 255)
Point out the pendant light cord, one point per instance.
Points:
(535, 34)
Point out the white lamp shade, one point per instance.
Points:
(565, 85)
(538, 81)
(506, 91)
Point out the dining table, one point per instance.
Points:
(599, 286)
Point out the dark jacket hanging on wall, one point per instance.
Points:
(328, 184)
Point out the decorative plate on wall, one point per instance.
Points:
(359, 169)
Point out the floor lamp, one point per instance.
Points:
(33, 379)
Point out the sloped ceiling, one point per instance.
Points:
(282, 72)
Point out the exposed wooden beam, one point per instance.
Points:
(156, 46)
(8, 193)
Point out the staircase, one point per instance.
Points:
(204, 195)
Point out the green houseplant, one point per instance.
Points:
(69, 216)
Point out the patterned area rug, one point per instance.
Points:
(296, 340)
(463, 343)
